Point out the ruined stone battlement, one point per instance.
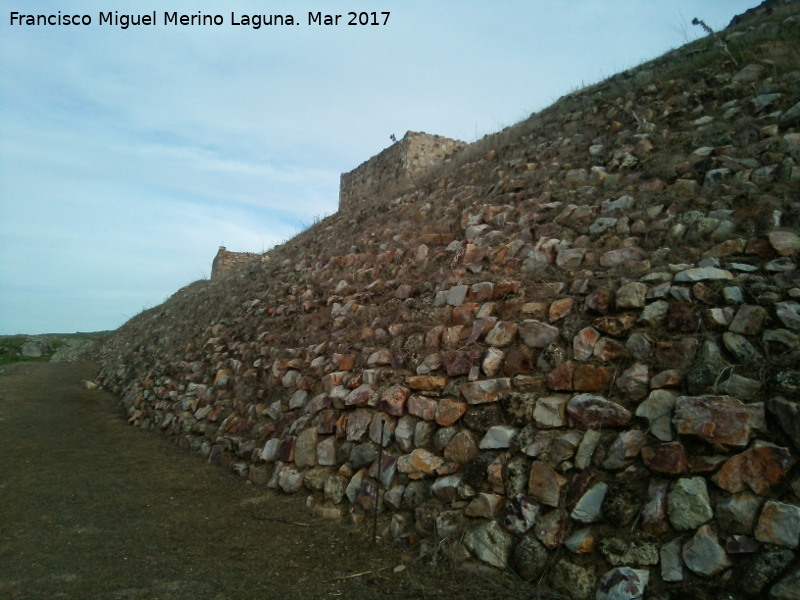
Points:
(393, 171)
(225, 261)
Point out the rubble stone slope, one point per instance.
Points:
(573, 353)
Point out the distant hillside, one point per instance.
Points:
(572, 351)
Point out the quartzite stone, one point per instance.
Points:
(499, 437)
(595, 412)
(520, 515)
(462, 447)
(502, 334)
(449, 410)
(419, 462)
(760, 468)
(404, 433)
(623, 583)
(490, 543)
(789, 314)
(718, 419)
(616, 326)
(671, 561)
(426, 383)
(551, 411)
(549, 528)
(738, 512)
(583, 343)
(486, 390)
(589, 508)
(560, 378)
(485, 506)
(544, 484)
(779, 524)
(670, 458)
(422, 407)
(625, 447)
(703, 274)
(654, 514)
(536, 334)
(688, 504)
(704, 555)
(588, 378)
(749, 320)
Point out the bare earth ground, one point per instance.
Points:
(92, 508)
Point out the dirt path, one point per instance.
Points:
(92, 508)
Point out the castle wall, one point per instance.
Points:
(393, 171)
(225, 261)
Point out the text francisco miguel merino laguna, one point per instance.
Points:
(124, 21)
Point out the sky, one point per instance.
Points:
(128, 156)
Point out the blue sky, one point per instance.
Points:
(127, 157)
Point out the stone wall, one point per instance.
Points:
(576, 357)
(226, 261)
(394, 171)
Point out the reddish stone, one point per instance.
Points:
(519, 359)
(785, 243)
(760, 469)
(420, 462)
(615, 326)
(286, 449)
(561, 377)
(749, 320)
(544, 484)
(502, 334)
(343, 362)
(433, 337)
(587, 378)
(327, 420)
(464, 314)
(599, 302)
(682, 317)
(486, 390)
(481, 292)
(459, 362)
(424, 408)
(560, 309)
(449, 410)
(670, 458)
(595, 412)
(608, 350)
(583, 343)
(426, 383)
(759, 247)
(393, 400)
(480, 328)
(462, 448)
(633, 381)
(676, 354)
(359, 396)
(666, 379)
(717, 419)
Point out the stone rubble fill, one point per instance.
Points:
(572, 350)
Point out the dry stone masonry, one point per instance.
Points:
(226, 261)
(575, 355)
(396, 170)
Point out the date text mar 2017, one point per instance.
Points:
(352, 18)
